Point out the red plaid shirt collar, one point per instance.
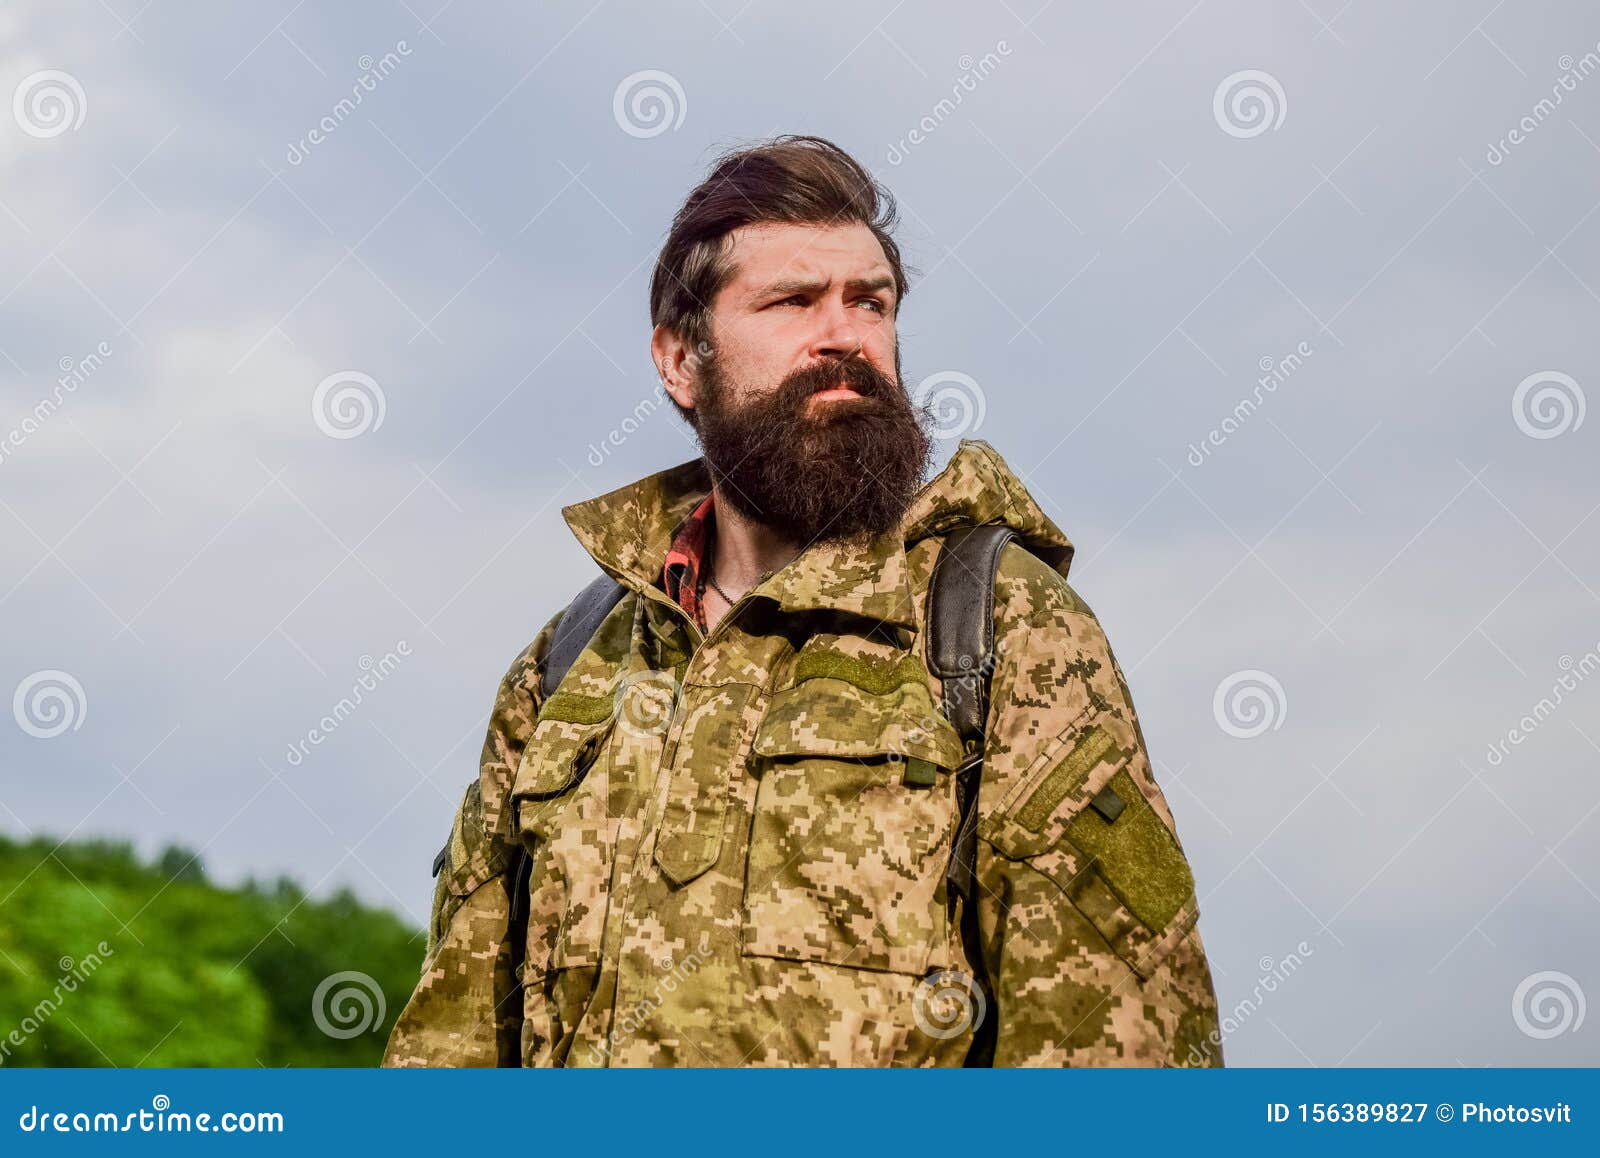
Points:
(683, 574)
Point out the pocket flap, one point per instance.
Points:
(1089, 816)
(824, 716)
(558, 753)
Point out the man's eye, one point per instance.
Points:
(875, 304)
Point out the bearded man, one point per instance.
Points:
(741, 812)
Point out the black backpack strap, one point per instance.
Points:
(576, 627)
(960, 635)
(960, 651)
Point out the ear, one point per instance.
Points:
(676, 365)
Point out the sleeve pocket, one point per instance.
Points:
(1089, 816)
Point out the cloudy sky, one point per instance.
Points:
(277, 401)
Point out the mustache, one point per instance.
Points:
(855, 372)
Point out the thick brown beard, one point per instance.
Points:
(842, 471)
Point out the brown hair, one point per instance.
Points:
(792, 179)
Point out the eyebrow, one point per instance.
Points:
(788, 286)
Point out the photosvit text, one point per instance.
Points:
(1413, 1113)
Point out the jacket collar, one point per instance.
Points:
(629, 530)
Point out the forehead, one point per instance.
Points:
(768, 252)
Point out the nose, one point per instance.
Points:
(840, 333)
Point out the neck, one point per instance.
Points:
(743, 549)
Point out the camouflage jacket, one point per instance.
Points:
(738, 843)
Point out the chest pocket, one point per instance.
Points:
(561, 794)
(852, 827)
(1088, 815)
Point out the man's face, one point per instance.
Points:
(800, 410)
